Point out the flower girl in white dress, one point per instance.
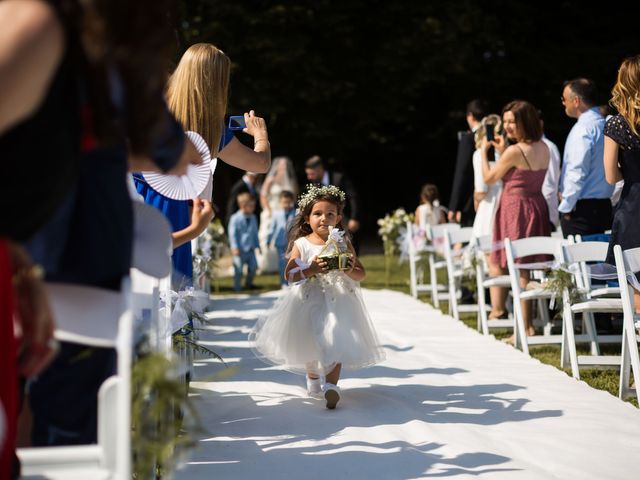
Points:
(321, 323)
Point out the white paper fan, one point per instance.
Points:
(186, 186)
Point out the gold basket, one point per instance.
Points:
(336, 261)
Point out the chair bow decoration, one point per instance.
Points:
(186, 303)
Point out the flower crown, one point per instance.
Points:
(314, 191)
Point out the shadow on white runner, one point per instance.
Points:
(447, 403)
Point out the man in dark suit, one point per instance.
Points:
(246, 184)
(318, 173)
(461, 200)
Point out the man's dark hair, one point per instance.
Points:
(287, 194)
(478, 108)
(583, 88)
(314, 162)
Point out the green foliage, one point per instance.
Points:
(156, 435)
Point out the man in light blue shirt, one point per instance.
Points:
(585, 206)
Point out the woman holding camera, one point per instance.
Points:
(197, 96)
(522, 210)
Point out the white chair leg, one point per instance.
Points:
(630, 345)
(413, 280)
(544, 316)
(625, 367)
(592, 332)
(434, 281)
(483, 325)
(453, 300)
(568, 327)
(519, 331)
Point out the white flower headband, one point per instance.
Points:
(314, 191)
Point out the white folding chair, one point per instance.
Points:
(525, 247)
(628, 261)
(577, 255)
(109, 325)
(416, 273)
(455, 269)
(483, 244)
(435, 235)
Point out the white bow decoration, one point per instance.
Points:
(335, 235)
(298, 269)
(185, 302)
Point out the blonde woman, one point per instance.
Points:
(485, 197)
(485, 200)
(622, 158)
(197, 95)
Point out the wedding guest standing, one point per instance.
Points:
(461, 200)
(248, 183)
(486, 199)
(197, 94)
(522, 210)
(585, 206)
(622, 158)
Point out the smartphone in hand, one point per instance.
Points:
(489, 130)
(237, 122)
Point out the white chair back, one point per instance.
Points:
(525, 247)
(580, 253)
(437, 231)
(108, 324)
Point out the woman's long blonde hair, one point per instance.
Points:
(198, 91)
(626, 92)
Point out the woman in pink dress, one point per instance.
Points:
(522, 211)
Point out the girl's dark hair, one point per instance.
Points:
(429, 193)
(300, 227)
(527, 119)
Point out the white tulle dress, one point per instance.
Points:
(317, 324)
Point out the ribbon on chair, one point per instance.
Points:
(301, 265)
(185, 302)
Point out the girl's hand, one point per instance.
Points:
(351, 264)
(317, 266)
(201, 214)
(256, 126)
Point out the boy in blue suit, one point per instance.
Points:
(243, 239)
(279, 227)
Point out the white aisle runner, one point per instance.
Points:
(447, 403)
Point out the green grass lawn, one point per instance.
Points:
(603, 379)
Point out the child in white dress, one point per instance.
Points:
(321, 323)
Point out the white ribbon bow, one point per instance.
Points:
(185, 302)
(299, 269)
(335, 235)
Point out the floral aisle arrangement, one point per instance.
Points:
(392, 228)
(212, 245)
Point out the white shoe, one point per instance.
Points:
(331, 395)
(314, 386)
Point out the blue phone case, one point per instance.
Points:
(237, 122)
